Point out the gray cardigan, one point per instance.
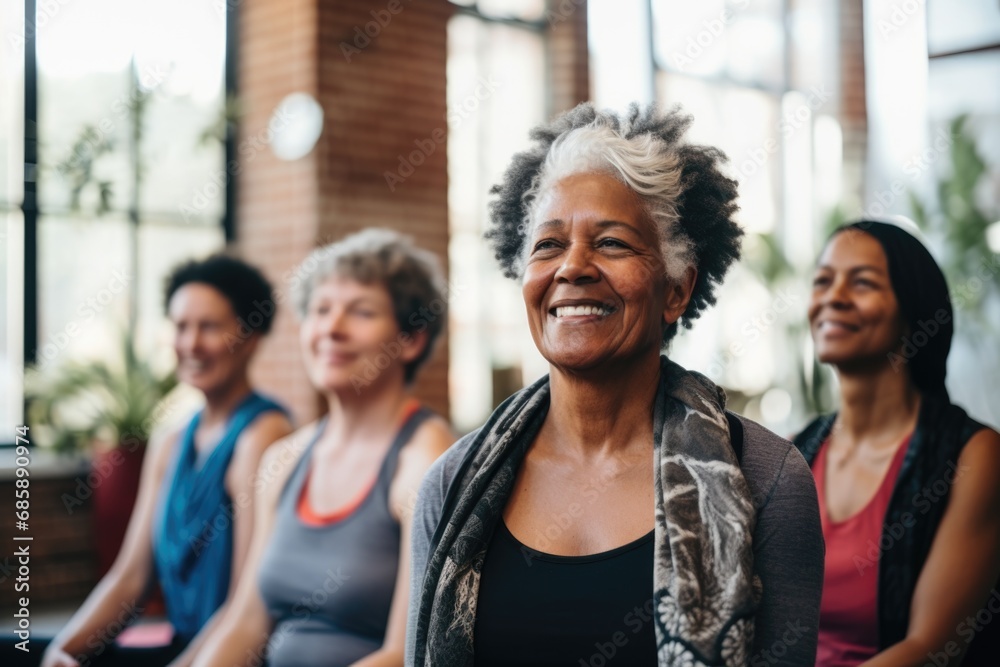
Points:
(787, 543)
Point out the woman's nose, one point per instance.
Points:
(187, 340)
(577, 264)
(837, 294)
(336, 321)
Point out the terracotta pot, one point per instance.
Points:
(114, 477)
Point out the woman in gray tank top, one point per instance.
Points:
(326, 581)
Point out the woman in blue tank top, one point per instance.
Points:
(328, 572)
(191, 525)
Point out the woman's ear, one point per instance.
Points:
(679, 295)
(412, 345)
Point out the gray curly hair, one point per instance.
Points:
(680, 186)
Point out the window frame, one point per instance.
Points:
(32, 212)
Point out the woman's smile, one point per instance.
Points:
(594, 282)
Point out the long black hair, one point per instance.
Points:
(924, 304)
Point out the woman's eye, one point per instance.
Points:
(819, 281)
(611, 243)
(545, 244)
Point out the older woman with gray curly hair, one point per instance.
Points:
(613, 512)
(327, 576)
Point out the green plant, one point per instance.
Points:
(765, 257)
(78, 168)
(77, 403)
(959, 218)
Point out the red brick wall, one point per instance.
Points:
(854, 114)
(63, 562)
(569, 64)
(383, 96)
(277, 211)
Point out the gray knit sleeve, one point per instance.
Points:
(426, 514)
(788, 557)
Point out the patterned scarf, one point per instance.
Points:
(704, 587)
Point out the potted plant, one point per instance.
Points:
(107, 409)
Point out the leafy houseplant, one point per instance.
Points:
(768, 261)
(963, 212)
(971, 263)
(79, 405)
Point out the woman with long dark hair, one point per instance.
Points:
(909, 484)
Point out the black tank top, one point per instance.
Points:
(573, 611)
(329, 588)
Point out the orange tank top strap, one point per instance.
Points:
(311, 517)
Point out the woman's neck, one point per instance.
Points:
(355, 416)
(603, 412)
(876, 405)
(219, 404)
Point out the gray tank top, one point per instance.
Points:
(329, 588)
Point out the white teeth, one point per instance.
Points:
(570, 311)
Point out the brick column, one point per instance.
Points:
(853, 110)
(569, 57)
(378, 70)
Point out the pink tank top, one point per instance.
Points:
(848, 622)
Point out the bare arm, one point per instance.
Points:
(123, 588)
(243, 627)
(253, 443)
(429, 442)
(963, 564)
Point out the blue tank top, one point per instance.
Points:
(193, 537)
(329, 588)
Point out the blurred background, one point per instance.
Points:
(135, 134)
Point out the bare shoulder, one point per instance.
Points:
(430, 441)
(984, 443)
(260, 434)
(979, 462)
(162, 447)
(279, 460)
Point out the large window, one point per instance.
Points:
(496, 93)
(131, 134)
(761, 80)
(11, 221)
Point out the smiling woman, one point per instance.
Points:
(190, 529)
(328, 571)
(619, 233)
(891, 503)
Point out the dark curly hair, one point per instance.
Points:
(680, 186)
(245, 287)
